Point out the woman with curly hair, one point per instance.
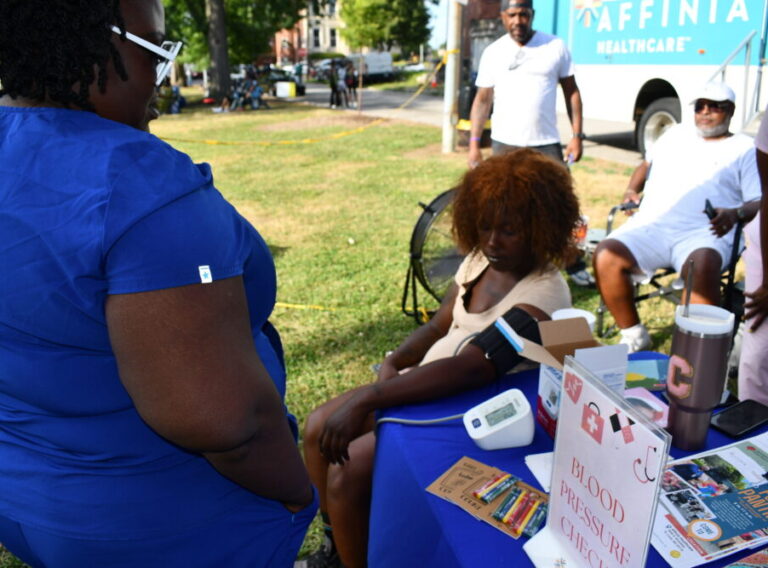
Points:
(514, 216)
(141, 384)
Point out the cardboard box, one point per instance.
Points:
(560, 338)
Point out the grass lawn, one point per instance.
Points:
(338, 215)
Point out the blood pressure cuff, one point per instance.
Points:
(498, 349)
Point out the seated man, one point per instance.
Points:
(690, 165)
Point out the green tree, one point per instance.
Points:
(217, 33)
(381, 24)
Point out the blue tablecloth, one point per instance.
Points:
(412, 528)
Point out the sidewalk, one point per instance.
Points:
(605, 140)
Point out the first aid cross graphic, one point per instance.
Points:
(592, 424)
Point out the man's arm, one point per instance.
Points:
(574, 148)
(481, 109)
(725, 219)
(636, 183)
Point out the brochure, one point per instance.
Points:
(648, 373)
(713, 504)
(644, 401)
(755, 560)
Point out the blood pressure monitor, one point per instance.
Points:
(504, 421)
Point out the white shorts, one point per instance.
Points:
(656, 245)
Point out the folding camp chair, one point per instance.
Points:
(434, 258)
(731, 292)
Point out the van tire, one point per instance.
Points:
(658, 116)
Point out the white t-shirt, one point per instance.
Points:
(686, 170)
(524, 80)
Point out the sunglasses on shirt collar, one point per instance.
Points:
(517, 61)
(166, 52)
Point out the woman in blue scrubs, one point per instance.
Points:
(141, 385)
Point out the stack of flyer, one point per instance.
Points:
(713, 504)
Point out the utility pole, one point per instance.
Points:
(451, 86)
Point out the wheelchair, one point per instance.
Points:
(434, 258)
(731, 291)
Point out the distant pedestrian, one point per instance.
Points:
(333, 80)
(341, 85)
(351, 80)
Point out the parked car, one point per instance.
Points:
(322, 69)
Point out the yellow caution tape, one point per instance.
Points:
(447, 53)
(311, 140)
(303, 307)
(277, 142)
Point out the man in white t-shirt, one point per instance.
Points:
(687, 167)
(518, 75)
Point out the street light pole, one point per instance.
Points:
(451, 87)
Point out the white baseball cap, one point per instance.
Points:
(715, 92)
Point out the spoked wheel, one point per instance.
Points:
(434, 257)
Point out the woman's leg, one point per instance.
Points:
(349, 501)
(316, 463)
(318, 468)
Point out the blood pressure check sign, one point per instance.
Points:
(592, 423)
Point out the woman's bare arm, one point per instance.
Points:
(187, 358)
(443, 377)
(412, 350)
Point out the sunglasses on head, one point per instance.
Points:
(166, 52)
(713, 106)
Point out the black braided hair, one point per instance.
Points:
(52, 50)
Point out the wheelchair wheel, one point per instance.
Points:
(434, 257)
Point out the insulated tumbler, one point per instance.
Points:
(696, 375)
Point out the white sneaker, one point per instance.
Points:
(636, 338)
(582, 278)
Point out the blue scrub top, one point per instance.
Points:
(88, 208)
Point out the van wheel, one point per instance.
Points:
(660, 115)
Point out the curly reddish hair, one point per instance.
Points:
(525, 189)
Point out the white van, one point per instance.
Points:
(377, 65)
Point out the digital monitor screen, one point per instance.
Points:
(502, 413)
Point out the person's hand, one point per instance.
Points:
(474, 158)
(756, 307)
(630, 196)
(723, 221)
(340, 429)
(387, 370)
(574, 150)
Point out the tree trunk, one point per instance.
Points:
(217, 46)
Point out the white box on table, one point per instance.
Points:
(560, 338)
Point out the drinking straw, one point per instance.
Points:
(688, 287)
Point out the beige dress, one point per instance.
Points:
(545, 289)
